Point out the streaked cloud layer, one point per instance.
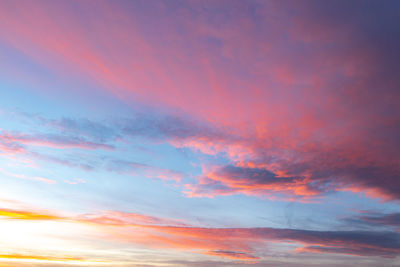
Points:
(199, 133)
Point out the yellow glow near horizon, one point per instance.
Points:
(45, 259)
(26, 215)
(44, 241)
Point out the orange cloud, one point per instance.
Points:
(252, 180)
(125, 219)
(232, 255)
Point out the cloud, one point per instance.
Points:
(119, 218)
(232, 255)
(372, 220)
(85, 135)
(8, 146)
(303, 172)
(25, 177)
(140, 169)
(312, 94)
(236, 243)
(231, 179)
(116, 218)
(50, 140)
(384, 244)
(93, 130)
(391, 219)
(257, 167)
(75, 181)
(364, 251)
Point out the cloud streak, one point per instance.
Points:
(18, 140)
(234, 243)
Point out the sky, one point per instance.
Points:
(199, 133)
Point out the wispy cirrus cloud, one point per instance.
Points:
(135, 168)
(49, 140)
(26, 177)
(85, 135)
(119, 218)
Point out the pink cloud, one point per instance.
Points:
(313, 94)
(75, 181)
(26, 177)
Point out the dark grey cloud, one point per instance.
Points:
(373, 220)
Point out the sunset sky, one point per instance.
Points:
(199, 133)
